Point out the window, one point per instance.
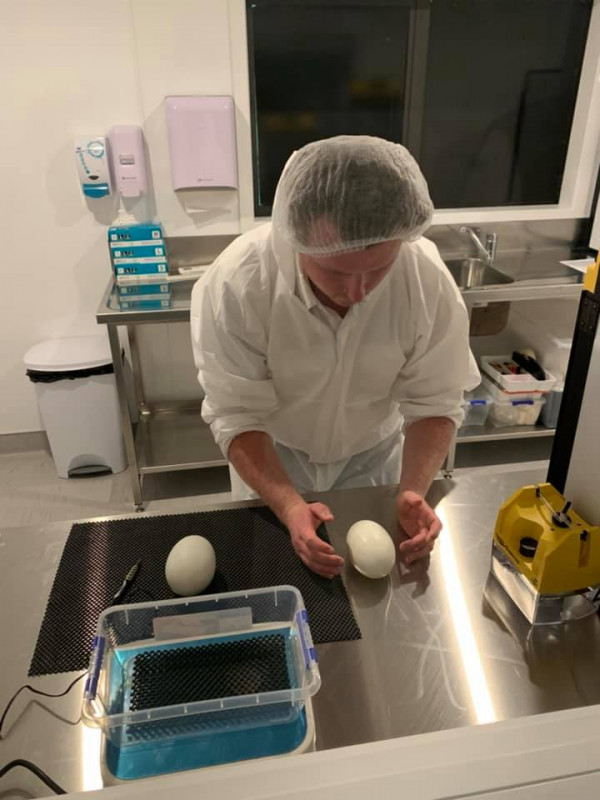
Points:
(481, 91)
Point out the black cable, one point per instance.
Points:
(36, 691)
(20, 762)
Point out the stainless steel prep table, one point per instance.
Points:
(175, 437)
(432, 655)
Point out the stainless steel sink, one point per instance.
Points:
(470, 273)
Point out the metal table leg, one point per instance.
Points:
(138, 383)
(450, 458)
(450, 461)
(126, 421)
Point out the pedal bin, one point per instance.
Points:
(77, 395)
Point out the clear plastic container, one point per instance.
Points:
(476, 405)
(515, 383)
(551, 410)
(183, 683)
(499, 395)
(516, 412)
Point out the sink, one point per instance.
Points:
(470, 273)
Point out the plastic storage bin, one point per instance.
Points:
(516, 412)
(195, 682)
(476, 405)
(515, 383)
(77, 397)
(551, 409)
(499, 395)
(308, 745)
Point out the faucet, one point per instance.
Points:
(486, 251)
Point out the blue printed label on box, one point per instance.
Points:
(141, 268)
(154, 253)
(141, 243)
(134, 233)
(147, 302)
(144, 288)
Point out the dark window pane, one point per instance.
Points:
(320, 70)
(502, 79)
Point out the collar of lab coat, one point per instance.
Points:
(304, 290)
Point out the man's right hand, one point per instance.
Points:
(302, 520)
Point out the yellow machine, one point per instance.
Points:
(590, 281)
(546, 557)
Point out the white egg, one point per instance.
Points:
(371, 549)
(190, 565)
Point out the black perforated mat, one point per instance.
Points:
(224, 669)
(253, 550)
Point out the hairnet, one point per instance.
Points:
(347, 192)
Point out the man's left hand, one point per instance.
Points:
(419, 522)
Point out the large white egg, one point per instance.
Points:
(190, 565)
(371, 549)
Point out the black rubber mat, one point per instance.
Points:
(224, 669)
(253, 551)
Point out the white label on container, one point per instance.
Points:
(203, 624)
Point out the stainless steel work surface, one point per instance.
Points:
(515, 277)
(433, 656)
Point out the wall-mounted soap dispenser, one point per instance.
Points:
(92, 165)
(202, 145)
(128, 160)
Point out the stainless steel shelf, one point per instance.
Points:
(109, 313)
(489, 433)
(176, 440)
(521, 290)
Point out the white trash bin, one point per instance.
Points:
(77, 396)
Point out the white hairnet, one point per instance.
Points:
(347, 192)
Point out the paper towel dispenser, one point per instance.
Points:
(202, 145)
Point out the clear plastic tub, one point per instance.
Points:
(516, 412)
(515, 383)
(499, 395)
(551, 410)
(476, 405)
(178, 684)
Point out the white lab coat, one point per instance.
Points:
(332, 393)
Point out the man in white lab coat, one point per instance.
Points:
(333, 345)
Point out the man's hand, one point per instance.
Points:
(302, 521)
(420, 524)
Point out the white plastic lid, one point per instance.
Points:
(65, 355)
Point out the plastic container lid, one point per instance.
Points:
(538, 402)
(68, 354)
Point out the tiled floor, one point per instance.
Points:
(31, 493)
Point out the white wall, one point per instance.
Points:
(71, 67)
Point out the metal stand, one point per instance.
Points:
(126, 421)
(172, 437)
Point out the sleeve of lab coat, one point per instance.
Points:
(440, 367)
(229, 344)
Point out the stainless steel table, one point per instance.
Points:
(172, 437)
(433, 655)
